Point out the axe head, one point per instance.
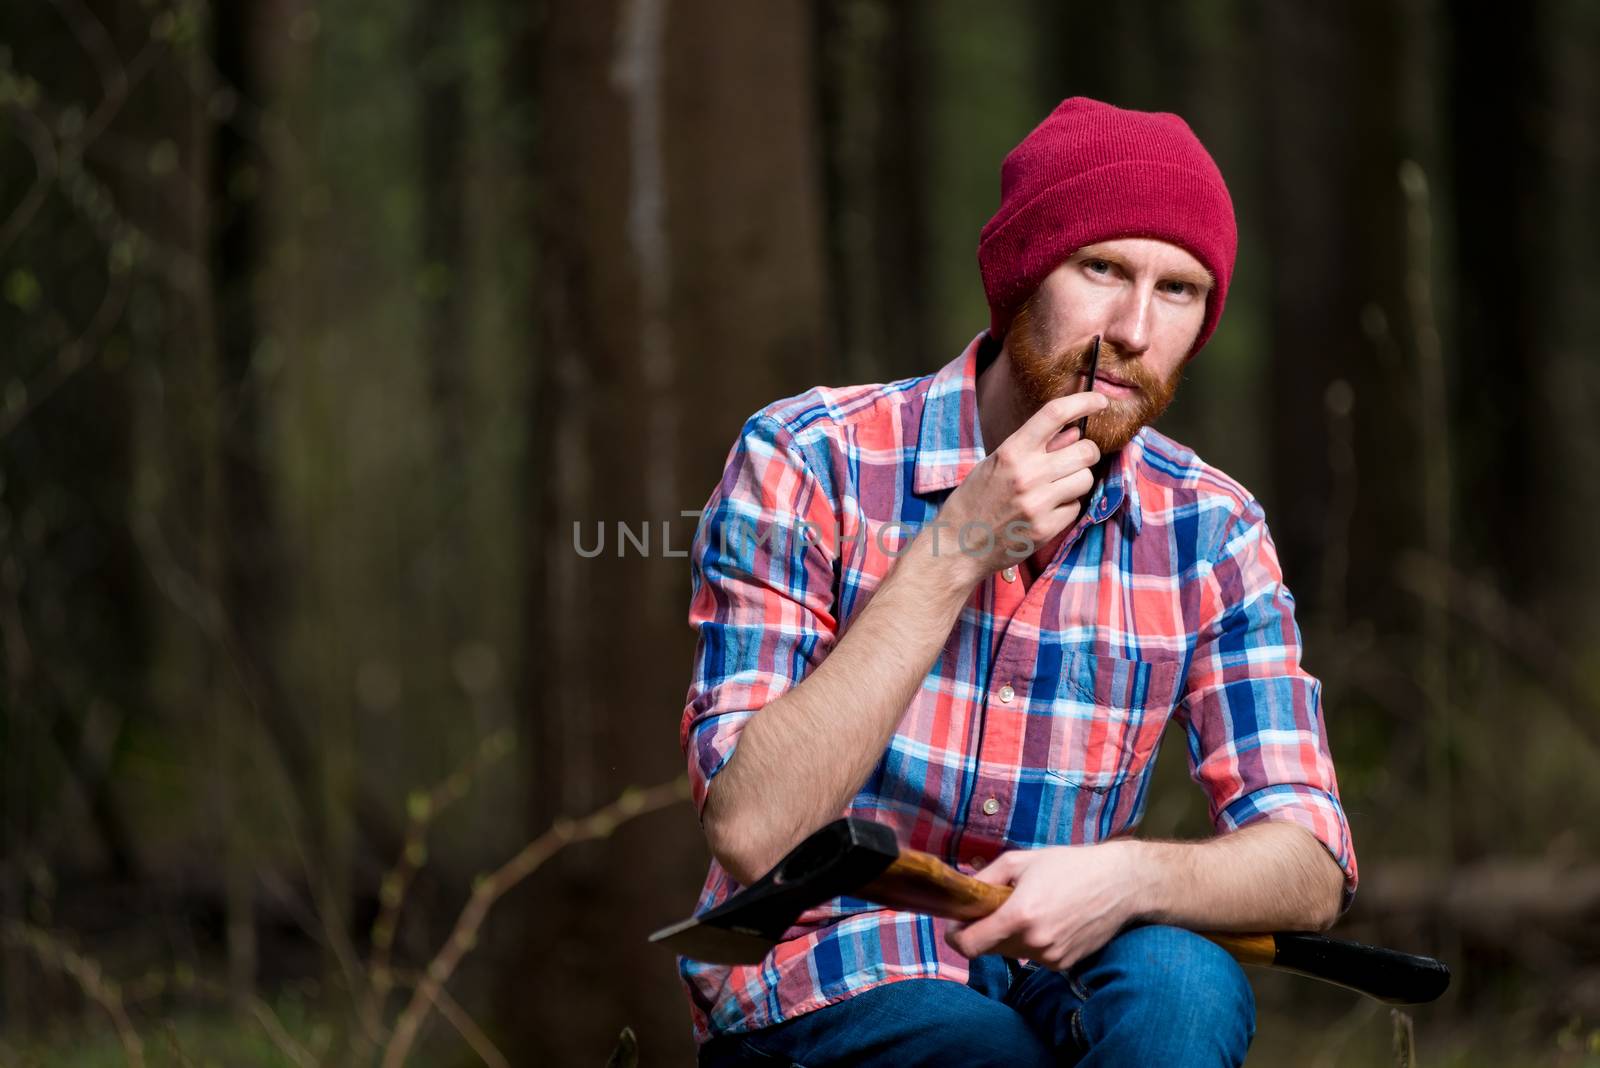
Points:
(841, 857)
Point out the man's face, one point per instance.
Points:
(1145, 298)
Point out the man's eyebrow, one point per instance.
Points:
(1200, 279)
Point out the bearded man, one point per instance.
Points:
(930, 604)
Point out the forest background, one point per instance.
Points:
(326, 325)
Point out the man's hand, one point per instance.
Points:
(1068, 901)
(1026, 491)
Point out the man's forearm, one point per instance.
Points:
(1265, 877)
(802, 758)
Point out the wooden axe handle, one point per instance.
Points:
(921, 882)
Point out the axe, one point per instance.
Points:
(862, 859)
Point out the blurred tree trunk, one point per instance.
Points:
(870, 80)
(256, 187)
(437, 58)
(1133, 55)
(1523, 153)
(681, 289)
(982, 93)
(436, 45)
(1571, 386)
(1497, 172)
(249, 567)
(1336, 240)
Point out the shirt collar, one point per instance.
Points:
(950, 441)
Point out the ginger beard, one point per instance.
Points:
(1041, 374)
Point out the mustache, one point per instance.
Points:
(1066, 369)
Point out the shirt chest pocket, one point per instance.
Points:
(1107, 716)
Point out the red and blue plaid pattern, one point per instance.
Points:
(1038, 724)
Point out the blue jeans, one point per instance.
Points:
(1153, 995)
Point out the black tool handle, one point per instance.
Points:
(1386, 974)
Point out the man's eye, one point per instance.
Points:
(1179, 289)
(1098, 266)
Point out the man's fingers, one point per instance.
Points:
(992, 875)
(978, 937)
(1067, 435)
(1056, 413)
(1079, 456)
(1003, 870)
(1072, 488)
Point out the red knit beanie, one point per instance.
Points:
(1092, 172)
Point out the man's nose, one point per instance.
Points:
(1129, 326)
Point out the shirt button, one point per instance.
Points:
(1007, 693)
(990, 807)
(1009, 574)
(976, 863)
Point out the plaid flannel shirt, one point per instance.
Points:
(1038, 723)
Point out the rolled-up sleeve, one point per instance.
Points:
(761, 593)
(1258, 745)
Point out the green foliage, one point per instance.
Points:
(22, 289)
(205, 1038)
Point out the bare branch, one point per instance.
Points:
(280, 1037)
(47, 165)
(73, 355)
(92, 35)
(117, 79)
(422, 808)
(490, 888)
(86, 972)
(169, 1031)
(464, 1024)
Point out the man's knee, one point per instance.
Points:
(1183, 980)
(948, 1023)
(913, 1022)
